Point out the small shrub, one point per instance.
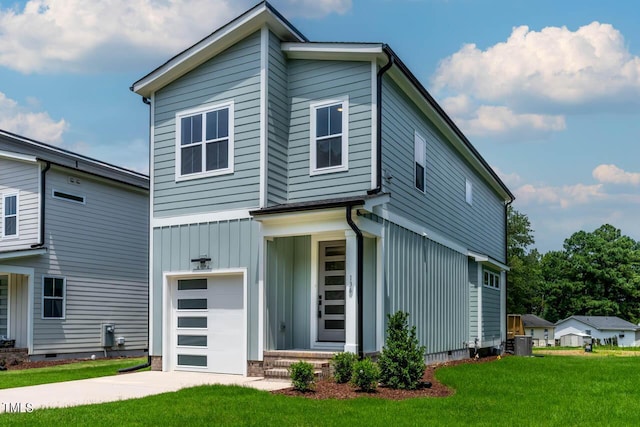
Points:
(402, 358)
(302, 376)
(342, 364)
(366, 375)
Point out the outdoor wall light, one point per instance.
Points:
(202, 263)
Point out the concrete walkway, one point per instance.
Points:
(119, 387)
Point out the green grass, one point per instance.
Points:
(514, 391)
(68, 372)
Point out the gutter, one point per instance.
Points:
(382, 70)
(360, 280)
(43, 188)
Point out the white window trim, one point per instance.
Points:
(417, 138)
(4, 216)
(64, 298)
(469, 192)
(496, 279)
(55, 190)
(344, 166)
(178, 148)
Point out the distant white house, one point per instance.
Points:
(600, 328)
(540, 330)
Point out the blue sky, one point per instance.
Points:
(548, 91)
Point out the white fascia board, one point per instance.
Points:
(414, 94)
(333, 51)
(17, 156)
(486, 259)
(212, 45)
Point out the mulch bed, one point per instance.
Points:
(329, 389)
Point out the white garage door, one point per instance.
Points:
(209, 325)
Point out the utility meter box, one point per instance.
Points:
(108, 334)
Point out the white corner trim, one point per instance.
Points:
(374, 123)
(151, 300)
(264, 75)
(201, 218)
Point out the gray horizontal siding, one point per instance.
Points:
(278, 123)
(233, 75)
(443, 208)
(230, 244)
(21, 178)
(431, 283)
(490, 313)
(315, 81)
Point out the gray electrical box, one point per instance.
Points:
(108, 334)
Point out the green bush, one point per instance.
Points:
(366, 375)
(302, 376)
(342, 364)
(402, 359)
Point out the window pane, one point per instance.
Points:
(191, 159)
(335, 250)
(333, 295)
(192, 322)
(334, 265)
(48, 286)
(334, 309)
(322, 122)
(58, 287)
(191, 360)
(57, 307)
(217, 155)
(192, 284)
(52, 308)
(212, 125)
(334, 324)
(329, 152)
(335, 119)
(192, 304)
(185, 127)
(193, 340)
(10, 205)
(419, 177)
(334, 280)
(10, 226)
(191, 129)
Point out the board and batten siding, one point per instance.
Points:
(443, 207)
(233, 75)
(278, 123)
(316, 81)
(23, 179)
(229, 244)
(431, 283)
(101, 249)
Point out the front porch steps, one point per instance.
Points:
(277, 362)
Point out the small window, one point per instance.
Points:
(420, 159)
(10, 215)
(204, 142)
(587, 331)
(53, 295)
(491, 279)
(69, 197)
(329, 137)
(469, 192)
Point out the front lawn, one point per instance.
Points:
(562, 391)
(67, 372)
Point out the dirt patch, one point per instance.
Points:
(329, 389)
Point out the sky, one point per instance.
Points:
(548, 91)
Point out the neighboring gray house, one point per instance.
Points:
(541, 331)
(301, 192)
(73, 252)
(600, 328)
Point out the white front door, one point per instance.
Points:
(331, 291)
(208, 324)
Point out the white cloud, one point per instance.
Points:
(611, 174)
(36, 125)
(510, 179)
(562, 197)
(78, 35)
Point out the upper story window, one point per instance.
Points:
(329, 136)
(53, 295)
(10, 215)
(491, 279)
(420, 159)
(204, 142)
(469, 192)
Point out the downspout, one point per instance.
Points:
(148, 363)
(360, 281)
(382, 70)
(43, 198)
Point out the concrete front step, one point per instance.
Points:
(285, 363)
(283, 373)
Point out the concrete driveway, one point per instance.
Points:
(119, 387)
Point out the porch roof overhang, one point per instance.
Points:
(22, 253)
(366, 201)
(486, 259)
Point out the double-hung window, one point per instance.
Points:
(329, 137)
(10, 215)
(204, 142)
(420, 160)
(53, 294)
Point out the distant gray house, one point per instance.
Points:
(73, 252)
(600, 328)
(541, 330)
(301, 192)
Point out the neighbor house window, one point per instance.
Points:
(329, 137)
(420, 160)
(10, 215)
(204, 142)
(469, 192)
(53, 295)
(491, 279)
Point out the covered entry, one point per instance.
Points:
(16, 304)
(207, 323)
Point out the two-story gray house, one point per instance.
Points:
(302, 191)
(73, 252)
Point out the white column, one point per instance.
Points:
(351, 294)
(480, 286)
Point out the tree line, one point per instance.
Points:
(596, 273)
